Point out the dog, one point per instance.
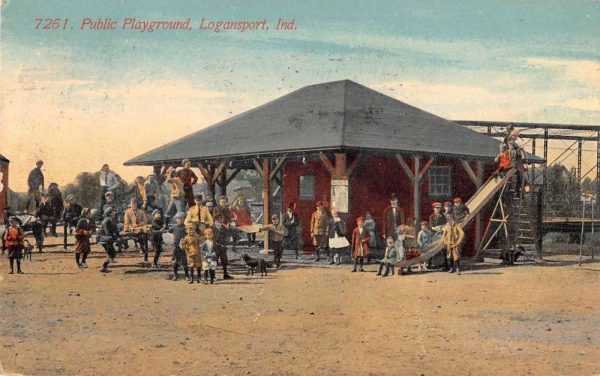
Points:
(256, 263)
(27, 248)
(510, 257)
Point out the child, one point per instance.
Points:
(423, 239)
(448, 210)
(337, 237)
(209, 257)
(360, 243)
(157, 240)
(108, 236)
(504, 160)
(437, 220)
(14, 240)
(179, 257)
(453, 237)
(276, 236)
(220, 237)
(390, 257)
(191, 244)
(459, 211)
(83, 230)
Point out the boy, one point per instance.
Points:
(83, 230)
(14, 240)
(318, 229)
(108, 236)
(220, 235)
(423, 239)
(389, 258)
(459, 211)
(437, 220)
(179, 256)
(157, 241)
(209, 257)
(276, 236)
(192, 245)
(193, 214)
(453, 237)
(448, 210)
(360, 243)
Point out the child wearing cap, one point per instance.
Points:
(209, 257)
(459, 211)
(179, 256)
(83, 231)
(14, 240)
(156, 238)
(360, 244)
(437, 220)
(453, 237)
(276, 237)
(193, 213)
(192, 245)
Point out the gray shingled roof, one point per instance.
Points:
(332, 115)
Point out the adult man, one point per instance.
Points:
(393, 216)
(188, 178)
(135, 222)
(453, 237)
(291, 222)
(221, 234)
(276, 237)
(108, 182)
(193, 214)
(319, 223)
(35, 182)
(152, 189)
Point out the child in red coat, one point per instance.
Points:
(360, 244)
(14, 242)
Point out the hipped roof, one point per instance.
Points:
(339, 115)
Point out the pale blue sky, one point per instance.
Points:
(489, 60)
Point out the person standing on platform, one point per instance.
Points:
(188, 179)
(35, 182)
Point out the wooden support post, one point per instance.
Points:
(340, 166)
(210, 181)
(417, 191)
(257, 167)
(478, 184)
(159, 178)
(266, 200)
(405, 167)
(327, 163)
(223, 181)
(233, 175)
(354, 166)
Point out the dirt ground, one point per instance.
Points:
(303, 319)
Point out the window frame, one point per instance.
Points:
(434, 182)
(304, 197)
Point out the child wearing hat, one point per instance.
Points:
(193, 213)
(108, 236)
(14, 240)
(209, 257)
(453, 237)
(156, 238)
(179, 256)
(83, 231)
(276, 236)
(437, 220)
(459, 211)
(191, 244)
(360, 244)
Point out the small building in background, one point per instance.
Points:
(3, 185)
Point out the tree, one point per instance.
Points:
(86, 189)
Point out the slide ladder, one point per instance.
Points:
(483, 195)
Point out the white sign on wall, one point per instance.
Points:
(340, 195)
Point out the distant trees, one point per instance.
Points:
(85, 188)
(562, 197)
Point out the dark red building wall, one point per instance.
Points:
(371, 188)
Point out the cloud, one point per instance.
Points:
(586, 72)
(588, 104)
(158, 89)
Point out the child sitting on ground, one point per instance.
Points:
(389, 258)
(14, 242)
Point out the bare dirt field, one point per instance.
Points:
(303, 319)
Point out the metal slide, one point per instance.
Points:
(483, 195)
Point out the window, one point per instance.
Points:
(440, 181)
(307, 187)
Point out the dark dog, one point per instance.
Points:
(510, 257)
(27, 248)
(255, 263)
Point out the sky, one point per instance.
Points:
(80, 98)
